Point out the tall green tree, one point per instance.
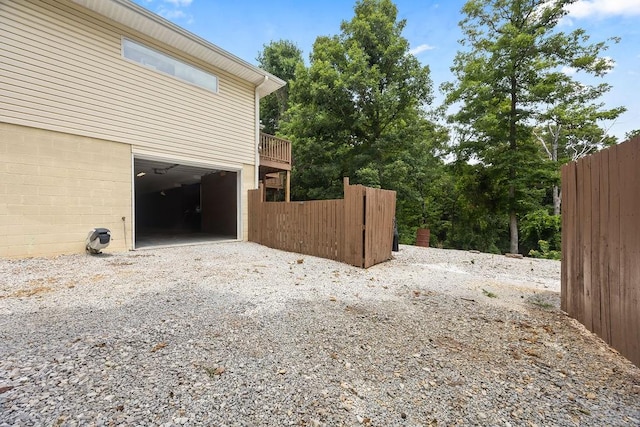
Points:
(507, 73)
(279, 58)
(358, 111)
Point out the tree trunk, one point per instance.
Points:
(556, 200)
(513, 227)
(513, 146)
(554, 157)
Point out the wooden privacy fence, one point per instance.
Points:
(357, 230)
(601, 245)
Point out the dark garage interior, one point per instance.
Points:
(183, 204)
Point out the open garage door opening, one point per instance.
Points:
(183, 204)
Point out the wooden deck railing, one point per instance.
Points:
(274, 151)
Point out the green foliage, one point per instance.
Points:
(509, 80)
(631, 134)
(369, 176)
(357, 111)
(471, 210)
(540, 226)
(545, 251)
(489, 294)
(279, 58)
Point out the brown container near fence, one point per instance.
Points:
(422, 237)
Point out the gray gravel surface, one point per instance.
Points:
(237, 334)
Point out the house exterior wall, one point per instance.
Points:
(62, 71)
(248, 177)
(56, 187)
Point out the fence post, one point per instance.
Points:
(263, 221)
(287, 188)
(353, 224)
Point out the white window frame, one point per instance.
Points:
(170, 61)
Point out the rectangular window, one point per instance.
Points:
(153, 59)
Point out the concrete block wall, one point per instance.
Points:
(248, 183)
(56, 187)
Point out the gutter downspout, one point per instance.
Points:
(257, 113)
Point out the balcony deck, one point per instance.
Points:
(275, 163)
(275, 154)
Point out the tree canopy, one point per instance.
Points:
(358, 111)
(362, 108)
(510, 80)
(280, 58)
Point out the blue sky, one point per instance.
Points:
(242, 27)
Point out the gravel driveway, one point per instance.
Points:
(238, 334)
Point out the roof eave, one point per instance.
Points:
(146, 22)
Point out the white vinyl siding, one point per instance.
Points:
(61, 69)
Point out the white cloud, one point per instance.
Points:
(179, 3)
(422, 48)
(603, 8)
(175, 10)
(172, 13)
(569, 71)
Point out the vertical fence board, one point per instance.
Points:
(603, 254)
(623, 168)
(353, 218)
(567, 270)
(601, 245)
(630, 247)
(614, 276)
(585, 248)
(254, 212)
(581, 296)
(633, 301)
(379, 225)
(594, 251)
(575, 262)
(340, 225)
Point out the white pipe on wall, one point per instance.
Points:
(257, 113)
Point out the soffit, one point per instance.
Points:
(140, 19)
